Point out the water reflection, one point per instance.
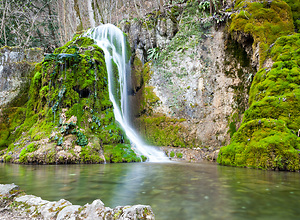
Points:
(174, 190)
(257, 194)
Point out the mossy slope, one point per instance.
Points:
(68, 117)
(268, 137)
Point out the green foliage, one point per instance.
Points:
(267, 138)
(203, 6)
(153, 54)
(82, 139)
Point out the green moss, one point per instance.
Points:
(120, 153)
(265, 21)
(70, 83)
(275, 93)
(172, 154)
(10, 125)
(91, 154)
(267, 138)
(179, 155)
(163, 131)
(295, 7)
(7, 158)
(264, 144)
(28, 149)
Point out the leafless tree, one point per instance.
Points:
(28, 23)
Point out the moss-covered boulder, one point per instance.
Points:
(264, 20)
(68, 116)
(269, 135)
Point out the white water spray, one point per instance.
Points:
(113, 42)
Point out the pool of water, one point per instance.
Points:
(174, 190)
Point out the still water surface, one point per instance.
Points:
(174, 190)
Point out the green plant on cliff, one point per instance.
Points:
(191, 32)
(153, 53)
(268, 137)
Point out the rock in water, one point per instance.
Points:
(33, 207)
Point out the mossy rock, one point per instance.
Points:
(295, 7)
(264, 20)
(68, 95)
(268, 137)
(264, 144)
(121, 154)
(160, 130)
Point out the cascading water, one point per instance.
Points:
(113, 42)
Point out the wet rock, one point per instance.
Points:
(31, 200)
(33, 207)
(94, 210)
(191, 155)
(5, 189)
(68, 212)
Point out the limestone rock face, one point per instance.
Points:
(143, 36)
(201, 85)
(16, 64)
(78, 15)
(200, 74)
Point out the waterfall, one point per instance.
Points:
(114, 44)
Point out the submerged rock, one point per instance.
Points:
(191, 155)
(33, 207)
